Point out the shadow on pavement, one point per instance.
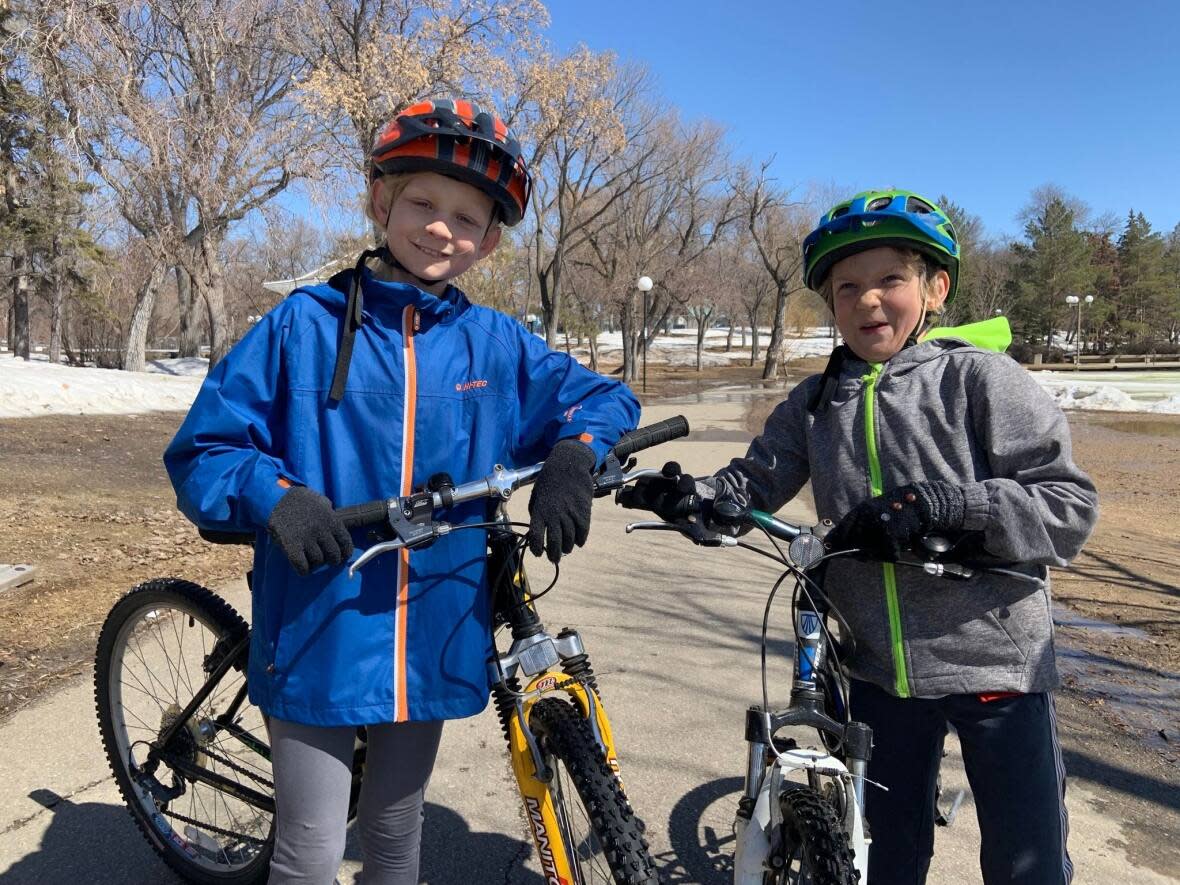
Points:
(87, 842)
(453, 855)
(98, 842)
(699, 831)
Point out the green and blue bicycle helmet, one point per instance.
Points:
(901, 219)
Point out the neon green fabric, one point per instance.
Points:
(994, 334)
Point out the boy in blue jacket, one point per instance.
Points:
(361, 389)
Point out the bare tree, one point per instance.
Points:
(671, 211)
(373, 57)
(186, 111)
(777, 227)
(588, 124)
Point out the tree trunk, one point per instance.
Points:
(626, 327)
(729, 338)
(701, 325)
(145, 302)
(753, 337)
(211, 288)
(550, 285)
(189, 337)
(20, 307)
(592, 340)
(56, 299)
(775, 346)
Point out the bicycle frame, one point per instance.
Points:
(552, 664)
(771, 762)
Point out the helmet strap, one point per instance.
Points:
(388, 257)
(353, 318)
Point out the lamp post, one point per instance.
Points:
(1077, 302)
(644, 284)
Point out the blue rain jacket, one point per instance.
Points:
(436, 384)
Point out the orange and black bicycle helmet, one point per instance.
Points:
(459, 139)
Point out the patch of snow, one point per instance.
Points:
(38, 387)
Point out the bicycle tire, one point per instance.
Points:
(138, 686)
(612, 846)
(815, 847)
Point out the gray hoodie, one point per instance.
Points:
(940, 410)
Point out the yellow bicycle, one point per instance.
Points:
(191, 757)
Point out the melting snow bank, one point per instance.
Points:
(41, 388)
(1112, 395)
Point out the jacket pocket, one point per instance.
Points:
(958, 626)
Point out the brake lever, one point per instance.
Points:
(434, 530)
(695, 533)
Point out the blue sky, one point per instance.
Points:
(983, 101)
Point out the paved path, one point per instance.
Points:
(676, 648)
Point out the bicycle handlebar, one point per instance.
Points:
(502, 482)
(807, 549)
(410, 516)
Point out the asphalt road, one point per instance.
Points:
(672, 631)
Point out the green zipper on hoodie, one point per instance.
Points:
(901, 683)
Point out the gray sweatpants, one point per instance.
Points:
(313, 777)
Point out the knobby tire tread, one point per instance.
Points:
(811, 825)
(567, 736)
(175, 594)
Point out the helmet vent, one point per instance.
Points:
(843, 210)
(878, 204)
(917, 204)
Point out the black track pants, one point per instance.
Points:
(1013, 764)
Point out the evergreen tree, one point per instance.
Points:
(1143, 286)
(1053, 262)
(41, 233)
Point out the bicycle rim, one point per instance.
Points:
(154, 655)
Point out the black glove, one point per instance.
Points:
(885, 525)
(559, 508)
(671, 496)
(308, 531)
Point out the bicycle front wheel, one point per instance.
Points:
(158, 646)
(601, 835)
(814, 847)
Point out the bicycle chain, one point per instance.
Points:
(211, 828)
(257, 778)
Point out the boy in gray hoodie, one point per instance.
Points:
(905, 435)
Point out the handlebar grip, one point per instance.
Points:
(359, 515)
(645, 437)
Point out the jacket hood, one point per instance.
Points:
(994, 334)
(991, 335)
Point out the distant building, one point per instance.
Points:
(311, 278)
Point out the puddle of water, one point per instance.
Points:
(1132, 422)
(1063, 617)
(1147, 699)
